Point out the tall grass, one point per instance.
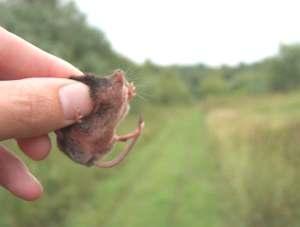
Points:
(258, 164)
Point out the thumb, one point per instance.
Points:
(35, 106)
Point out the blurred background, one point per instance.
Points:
(218, 86)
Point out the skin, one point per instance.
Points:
(21, 115)
(88, 141)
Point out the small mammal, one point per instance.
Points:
(92, 137)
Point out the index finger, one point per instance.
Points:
(20, 59)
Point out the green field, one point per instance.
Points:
(166, 181)
(220, 146)
(221, 162)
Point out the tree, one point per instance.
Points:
(286, 69)
(213, 84)
(169, 89)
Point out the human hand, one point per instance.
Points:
(31, 106)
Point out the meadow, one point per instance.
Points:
(229, 161)
(257, 152)
(220, 146)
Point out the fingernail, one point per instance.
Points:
(75, 100)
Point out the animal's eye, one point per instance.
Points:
(84, 126)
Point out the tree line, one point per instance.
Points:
(60, 28)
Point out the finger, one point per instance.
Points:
(16, 178)
(26, 60)
(37, 148)
(35, 106)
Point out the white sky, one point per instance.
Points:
(213, 32)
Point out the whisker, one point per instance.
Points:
(143, 85)
(145, 95)
(131, 72)
(142, 97)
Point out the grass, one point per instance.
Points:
(166, 181)
(257, 150)
(158, 186)
(226, 162)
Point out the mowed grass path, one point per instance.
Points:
(166, 181)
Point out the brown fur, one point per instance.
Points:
(87, 141)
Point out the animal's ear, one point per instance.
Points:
(118, 76)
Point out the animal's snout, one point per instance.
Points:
(131, 90)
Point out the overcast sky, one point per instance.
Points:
(213, 32)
